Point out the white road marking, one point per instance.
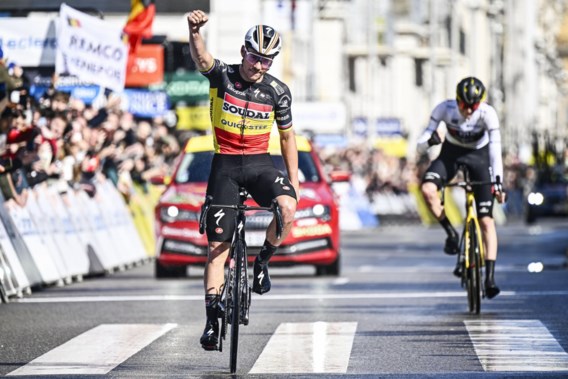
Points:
(330, 296)
(516, 345)
(315, 347)
(340, 281)
(371, 295)
(95, 352)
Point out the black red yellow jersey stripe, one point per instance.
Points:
(242, 113)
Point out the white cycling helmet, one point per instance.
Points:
(264, 40)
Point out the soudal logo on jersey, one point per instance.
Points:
(246, 109)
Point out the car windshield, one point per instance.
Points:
(195, 167)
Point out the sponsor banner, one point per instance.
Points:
(193, 118)
(145, 103)
(28, 42)
(383, 126)
(187, 87)
(90, 49)
(319, 117)
(87, 93)
(148, 66)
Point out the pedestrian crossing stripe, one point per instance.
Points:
(516, 345)
(295, 348)
(315, 347)
(95, 352)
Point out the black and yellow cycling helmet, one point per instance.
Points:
(470, 91)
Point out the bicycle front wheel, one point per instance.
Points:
(237, 301)
(473, 271)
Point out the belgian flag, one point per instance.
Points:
(139, 24)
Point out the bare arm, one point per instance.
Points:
(290, 155)
(202, 58)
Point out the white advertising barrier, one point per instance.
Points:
(107, 250)
(46, 223)
(121, 220)
(49, 265)
(12, 275)
(86, 236)
(61, 230)
(23, 253)
(119, 239)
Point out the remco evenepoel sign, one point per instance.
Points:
(90, 49)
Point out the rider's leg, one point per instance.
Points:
(213, 281)
(434, 203)
(261, 283)
(489, 232)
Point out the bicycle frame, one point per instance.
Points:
(236, 292)
(471, 217)
(471, 272)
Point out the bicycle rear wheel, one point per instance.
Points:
(237, 299)
(473, 271)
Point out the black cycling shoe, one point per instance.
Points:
(458, 272)
(261, 282)
(210, 337)
(491, 289)
(452, 246)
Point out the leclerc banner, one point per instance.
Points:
(28, 42)
(90, 49)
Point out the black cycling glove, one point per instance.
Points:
(434, 139)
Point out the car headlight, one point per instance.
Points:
(173, 213)
(318, 211)
(535, 198)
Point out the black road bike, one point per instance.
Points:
(236, 292)
(471, 258)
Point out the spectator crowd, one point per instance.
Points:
(60, 139)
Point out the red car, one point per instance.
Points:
(313, 240)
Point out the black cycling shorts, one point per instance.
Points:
(444, 168)
(256, 173)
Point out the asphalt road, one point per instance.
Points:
(396, 311)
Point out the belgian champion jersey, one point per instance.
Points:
(242, 113)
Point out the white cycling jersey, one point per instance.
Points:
(476, 131)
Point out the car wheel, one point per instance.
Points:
(332, 269)
(162, 271)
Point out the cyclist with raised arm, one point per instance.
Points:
(473, 139)
(245, 103)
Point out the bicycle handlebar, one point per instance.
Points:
(464, 183)
(274, 208)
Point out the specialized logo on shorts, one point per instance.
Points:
(219, 215)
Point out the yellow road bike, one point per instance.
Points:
(471, 259)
